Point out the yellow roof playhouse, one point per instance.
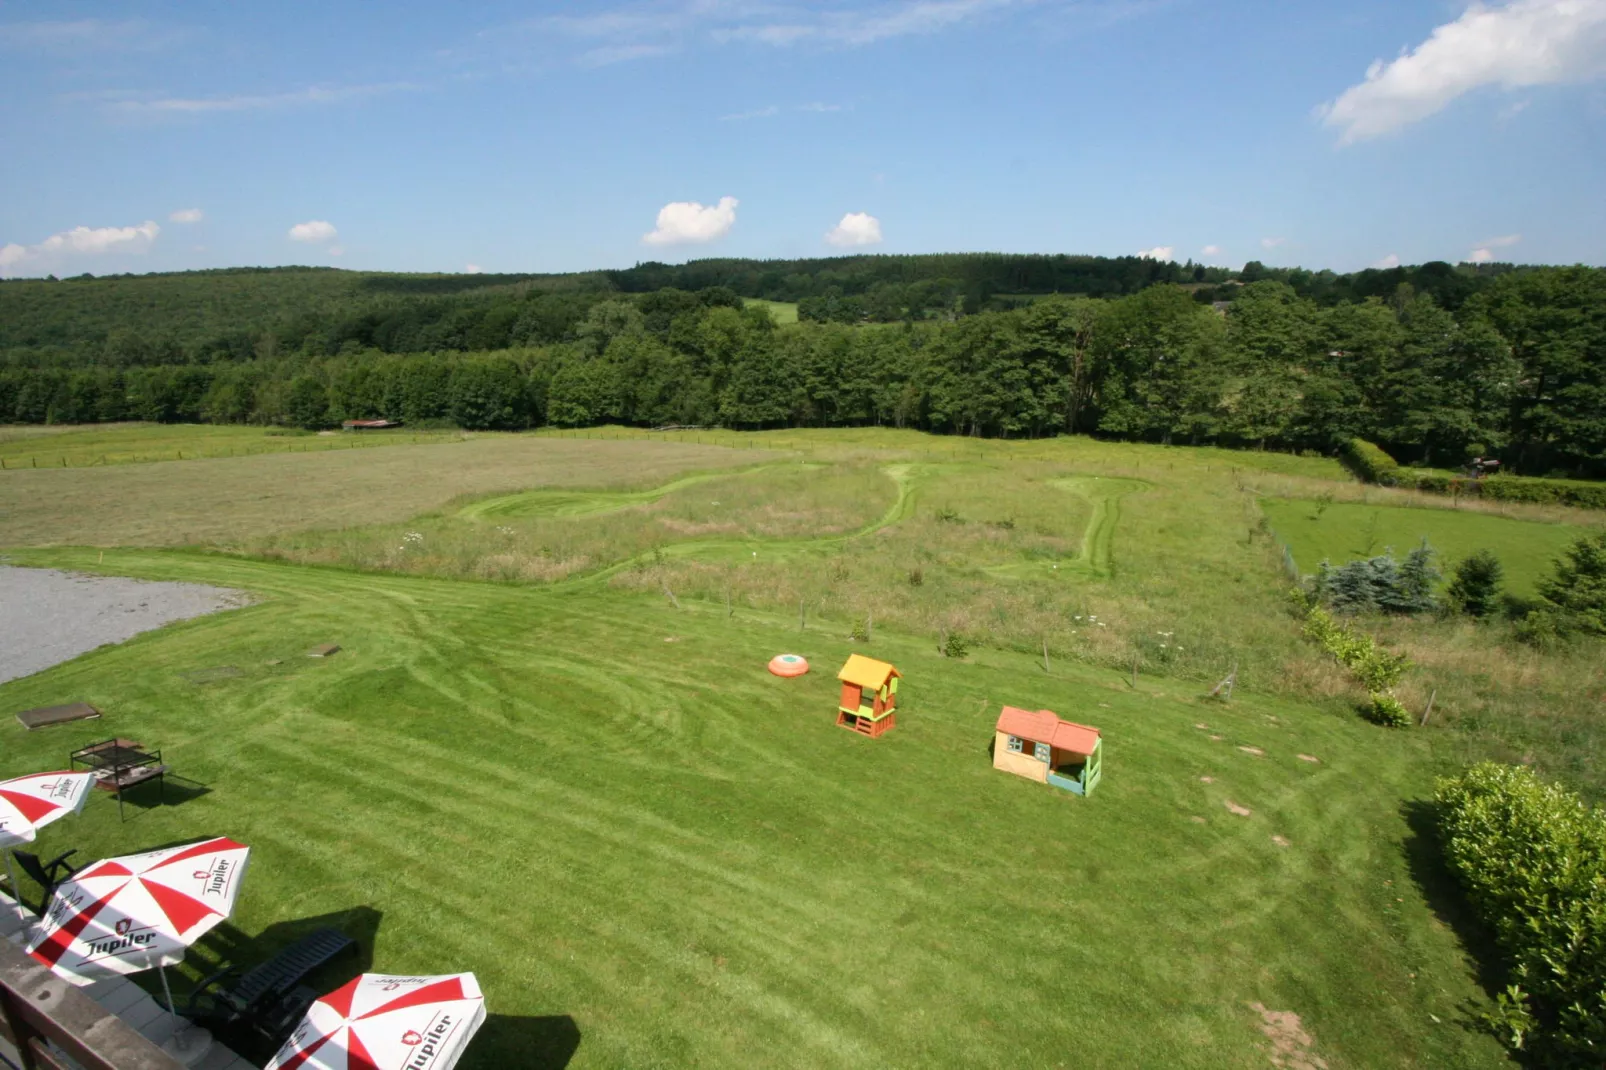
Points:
(869, 696)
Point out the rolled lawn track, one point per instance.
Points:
(681, 855)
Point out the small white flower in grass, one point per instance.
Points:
(1102, 624)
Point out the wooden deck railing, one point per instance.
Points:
(38, 1009)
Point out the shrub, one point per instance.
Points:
(917, 576)
(1578, 589)
(1575, 492)
(1370, 462)
(1388, 711)
(1376, 668)
(1381, 583)
(1531, 858)
(955, 646)
(1475, 590)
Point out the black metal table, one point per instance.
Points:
(119, 764)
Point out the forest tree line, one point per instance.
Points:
(1518, 368)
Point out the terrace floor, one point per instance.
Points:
(125, 999)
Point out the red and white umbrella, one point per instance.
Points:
(124, 915)
(29, 803)
(379, 1022)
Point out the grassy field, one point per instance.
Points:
(224, 500)
(646, 846)
(1342, 531)
(134, 443)
(784, 312)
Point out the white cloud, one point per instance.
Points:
(1513, 45)
(1271, 243)
(1390, 261)
(1211, 250)
(81, 241)
(758, 113)
(314, 230)
(1484, 253)
(821, 107)
(76, 38)
(144, 104)
(688, 222)
(855, 229)
(187, 215)
(1159, 252)
(472, 269)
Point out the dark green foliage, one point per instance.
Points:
(1576, 595)
(1475, 588)
(1427, 362)
(955, 646)
(1532, 860)
(307, 403)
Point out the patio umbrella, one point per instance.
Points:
(379, 1022)
(29, 803)
(124, 915)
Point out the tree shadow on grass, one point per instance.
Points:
(1430, 870)
(520, 1042)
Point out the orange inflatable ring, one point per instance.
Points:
(788, 665)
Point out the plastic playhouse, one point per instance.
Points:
(869, 696)
(1041, 747)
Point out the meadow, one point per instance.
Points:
(577, 780)
(783, 312)
(78, 446)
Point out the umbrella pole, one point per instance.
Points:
(168, 992)
(16, 890)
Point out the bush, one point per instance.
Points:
(1531, 858)
(917, 576)
(1370, 462)
(1475, 590)
(1381, 583)
(1573, 492)
(1388, 711)
(1376, 668)
(1578, 589)
(955, 646)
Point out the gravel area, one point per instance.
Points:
(48, 616)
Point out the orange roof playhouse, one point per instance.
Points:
(1039, 746)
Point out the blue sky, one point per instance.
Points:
(553, 137)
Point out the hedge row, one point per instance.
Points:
(1532, 860)
(1374, 465)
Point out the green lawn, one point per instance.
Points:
(1343, 531)
(783, 311)
(663, 847)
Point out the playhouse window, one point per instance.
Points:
(1041, 751)
(1015, 743)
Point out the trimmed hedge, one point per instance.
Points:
(1532, 860)
(1370, 462)
(1373, 464)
